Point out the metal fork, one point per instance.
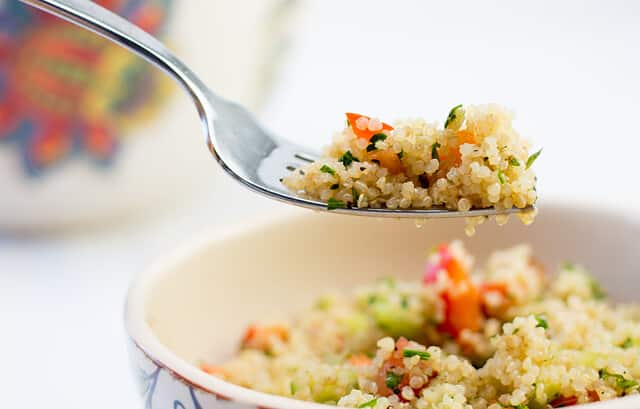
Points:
(245, 150)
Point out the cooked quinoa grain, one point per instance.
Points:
(478, 160)
(501, 336)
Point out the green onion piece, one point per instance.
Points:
(533, 158)
(542, 321)
(355, 195)
(292, 388)
(628, 343)
(369, 404)
(514, 162)
(347, 159)
(408, 353)
(620, 380)
(374, 139)
(392, 380)
(501, 176)
(434, 151)
(328, 169)
(452, 115)
(333, 204)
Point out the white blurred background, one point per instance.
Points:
(568, 69)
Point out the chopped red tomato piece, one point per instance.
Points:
(365, 132)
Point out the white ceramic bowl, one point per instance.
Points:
(194, 306)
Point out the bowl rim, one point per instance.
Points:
(142, 336)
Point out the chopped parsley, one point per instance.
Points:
(434, 151)
(408, 353)
(335, 186)
(628, 343)
(401, 154)
(532, 159)
(452, 116)
(333, 204)
(514, 162)
(620, 380)
(392, 380)
(369, 404)
(501, 176)
(375, 139)
(347, 159)
(596, 290)
(542, 321)
(328, 169)
(404, 302)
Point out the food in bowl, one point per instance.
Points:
(478, 160)
(505, 335)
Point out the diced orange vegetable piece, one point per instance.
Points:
(465, 136)
(259, 337)
(388, 160)
(463, 303)
(359, 360)
(214, 370)
(364, 133)
(462, 309)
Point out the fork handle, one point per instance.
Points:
(95, 18)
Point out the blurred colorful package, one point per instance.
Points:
(89, 131)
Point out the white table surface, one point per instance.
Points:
(569, 68)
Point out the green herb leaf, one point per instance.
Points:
(452, 116)
(408, 353)
(501, 176)
(514, 162)
(328, 169)
(628, 343)
(532, 159)
(335, 186)
(333, 204)
(355, 195)
(347, 159)
(404, 302)
(620, 380)
(434, 151)
(292, 388)
(392, 380)
(374, 139)
(369, 404)
(596, 290)
(542, 321)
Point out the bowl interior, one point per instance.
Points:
(198, 304)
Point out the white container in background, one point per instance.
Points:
(140, 148)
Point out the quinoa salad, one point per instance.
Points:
(477, 160)
(500, 335)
